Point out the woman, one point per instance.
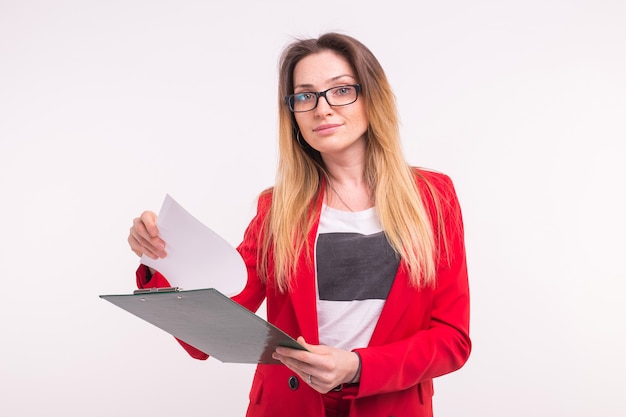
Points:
(359, 256)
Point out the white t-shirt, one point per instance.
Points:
(355, 268)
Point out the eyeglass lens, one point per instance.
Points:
(336, 96)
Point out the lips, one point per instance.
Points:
(326, 129)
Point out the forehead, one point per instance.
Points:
(321, 68)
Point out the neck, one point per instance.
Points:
(348, 177)
(348, 195)
(346, 169)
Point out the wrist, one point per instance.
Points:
(357, 375)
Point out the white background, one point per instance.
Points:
(105, 106)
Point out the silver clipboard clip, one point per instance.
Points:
(155, 289)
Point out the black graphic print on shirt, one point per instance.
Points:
(355, 266)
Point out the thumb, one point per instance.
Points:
(303, 342)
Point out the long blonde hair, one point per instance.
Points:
(301, 173)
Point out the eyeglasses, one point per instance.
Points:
(336, 96)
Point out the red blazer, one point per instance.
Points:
(421, 333)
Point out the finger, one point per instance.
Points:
(145, 227)
(301, 340)
(148, 218)
(142, 242)
(134, 245)
(328, 366)
(140, 249)
(319, 349)
(308, 372)
(301, 367)
(299, 361)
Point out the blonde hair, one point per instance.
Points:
(301, 173)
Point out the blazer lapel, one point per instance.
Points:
(304, 295)
(399, 299)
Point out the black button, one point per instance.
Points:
(293, 383)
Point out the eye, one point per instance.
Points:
(342, 91)
(304, 97)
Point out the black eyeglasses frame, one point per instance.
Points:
(289, 99)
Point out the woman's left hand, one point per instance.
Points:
(322, 367)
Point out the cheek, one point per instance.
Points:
(359, 115)
(301, 120)
(361, 122)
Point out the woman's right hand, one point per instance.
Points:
(144, 237)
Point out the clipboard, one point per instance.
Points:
(209, 321)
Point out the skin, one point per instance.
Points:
(338, 133)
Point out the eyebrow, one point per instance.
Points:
(332, 79)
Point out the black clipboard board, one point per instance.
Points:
(209, 321)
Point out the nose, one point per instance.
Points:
(322, 105)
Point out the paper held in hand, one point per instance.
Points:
(202, 269)
(197, 257)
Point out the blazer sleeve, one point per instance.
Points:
(443, 345)
(157, 280)
(253, 294)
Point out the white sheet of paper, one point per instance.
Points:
(197, 257)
